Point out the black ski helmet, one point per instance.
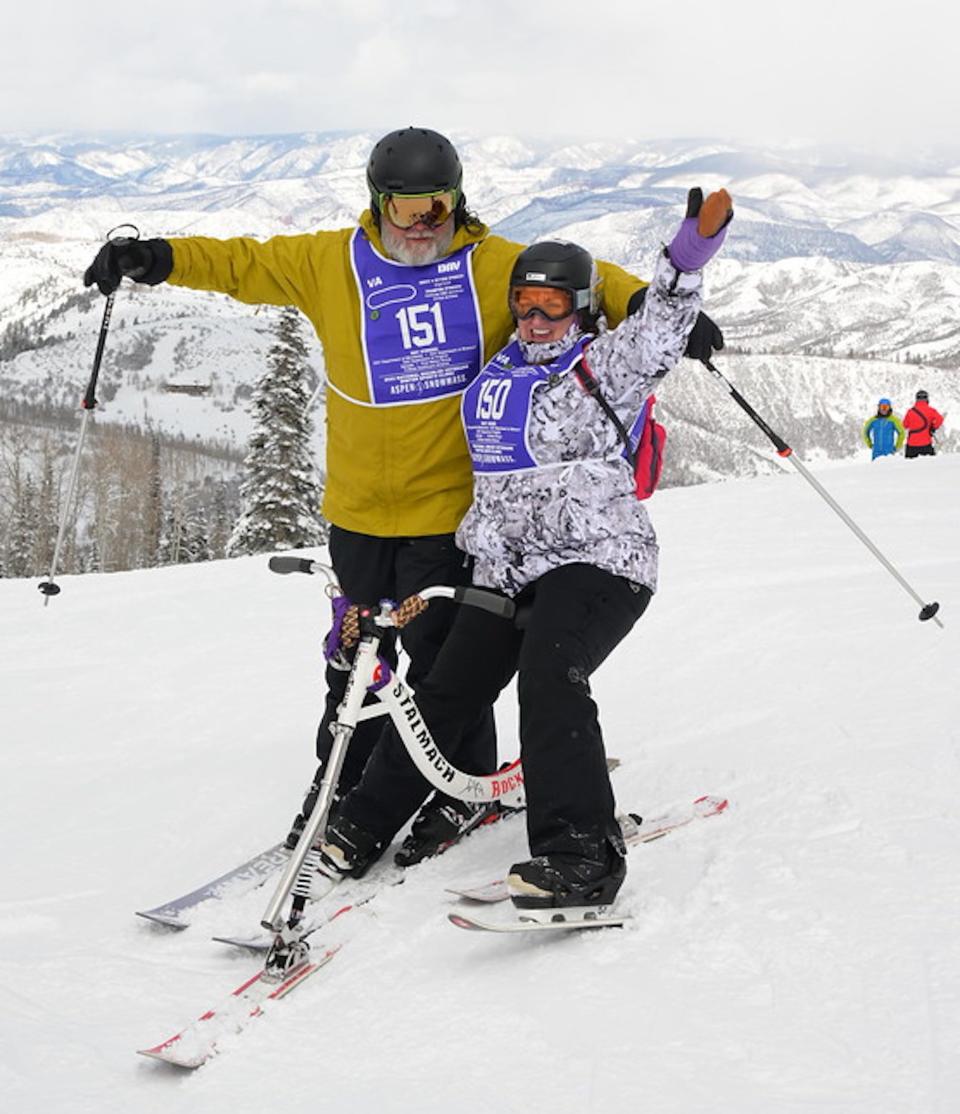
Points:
(922, 396)
(564, 265)
(414, 160)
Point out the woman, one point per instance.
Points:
(555, 524)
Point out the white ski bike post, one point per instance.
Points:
(371, 673)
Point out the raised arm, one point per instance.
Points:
(630, 358)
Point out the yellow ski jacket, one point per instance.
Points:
(392, 471)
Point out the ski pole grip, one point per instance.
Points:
(488, 601)
(284, 565)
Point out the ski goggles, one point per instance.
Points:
(407, 209)
(884, 408)
(550, 301)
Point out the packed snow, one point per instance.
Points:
(797, 953)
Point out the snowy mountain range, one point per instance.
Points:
(841, 275)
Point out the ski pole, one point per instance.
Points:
(927, 610)
(87, 404)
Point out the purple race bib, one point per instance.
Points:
(420, 326)
(496, 407)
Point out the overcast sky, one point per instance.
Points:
(864, 72)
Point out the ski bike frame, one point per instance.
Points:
(371, 673)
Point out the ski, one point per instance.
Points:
(474, 924)
(242, 879)
(262, 941)
(198, 1042)
(635, 831)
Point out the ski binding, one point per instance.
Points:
(550, 920)
(635, 831)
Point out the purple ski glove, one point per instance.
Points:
(702, 233)
(333, 643)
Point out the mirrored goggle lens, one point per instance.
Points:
(406, 210)
(884, 409)
(551, 301)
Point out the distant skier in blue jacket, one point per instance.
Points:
(883, 433)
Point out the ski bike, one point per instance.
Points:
(365, 627)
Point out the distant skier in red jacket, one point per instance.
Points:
(921, 421)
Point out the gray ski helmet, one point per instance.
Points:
(564, 265)
(414, 160)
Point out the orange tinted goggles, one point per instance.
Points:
(550, 301)
(406, 210)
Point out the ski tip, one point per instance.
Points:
(464, 922)
(160, 1057)
(247, 943)
(165, 920)
(487, 892)
(711, 804)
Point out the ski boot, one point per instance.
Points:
(348, 851)
(442, 822)
(565, 887)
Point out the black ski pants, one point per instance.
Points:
(370, 569)
(919, 450)
(572, 618)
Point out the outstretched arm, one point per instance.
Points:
(643, 348)
(274, 272)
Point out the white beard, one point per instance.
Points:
(417, 252)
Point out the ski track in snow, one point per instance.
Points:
(797, 953)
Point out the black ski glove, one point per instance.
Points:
(149, 261)
(705, 336)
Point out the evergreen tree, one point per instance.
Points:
(196, 535)
(21, 546)
(48, 501)
(170, 545)
(89, 556)
(153, 518)
(220, 521)
(280, 492)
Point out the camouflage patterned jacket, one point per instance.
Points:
(578, 503)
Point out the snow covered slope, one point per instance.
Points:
(798, 953)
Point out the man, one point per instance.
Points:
(921, 422)
(408, 306)
(883, 432)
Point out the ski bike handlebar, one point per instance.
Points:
(365, 626)
(472, 597)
